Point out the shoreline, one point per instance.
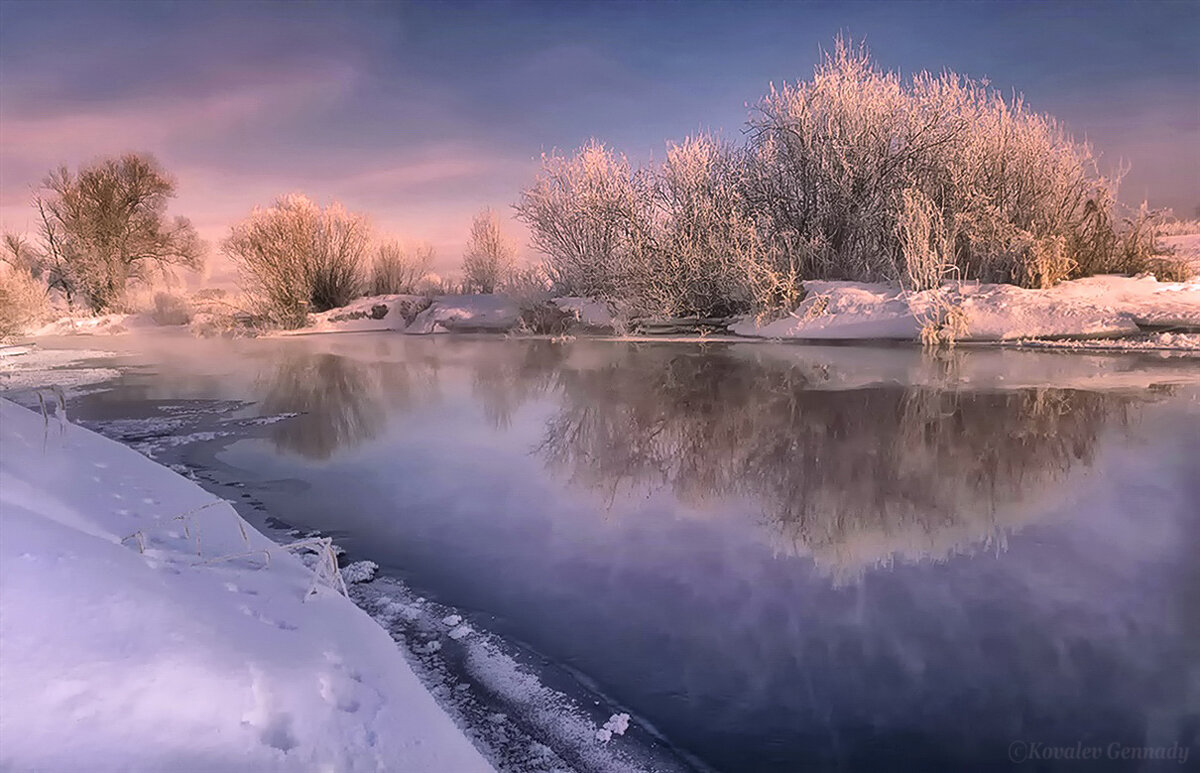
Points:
(231, 614)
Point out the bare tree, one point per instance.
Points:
(18, 252)
(490, 256)
(296, 256)
(108, 225)
(398, 269)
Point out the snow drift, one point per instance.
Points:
(145, 626)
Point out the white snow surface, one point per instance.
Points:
(196, 654)
(467, 313)
(1094, 307)
(103, 324)
(356, 317)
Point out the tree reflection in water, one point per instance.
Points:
(852, 477)
(342, 402)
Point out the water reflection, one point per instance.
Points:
(342, 402)
(851, 477)
(505, 378)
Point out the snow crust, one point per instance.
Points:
(145, 626)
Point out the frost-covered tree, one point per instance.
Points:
(107, 225)
(490, 256)
(295, 256)
(18, 252)
(861, 174)
(705, 255)
(585, 214)
(398, 268)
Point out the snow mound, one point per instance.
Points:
(360, 571)
(104, 324)
(147, 627)
(1090, 308)
(467, 314)
(617, 724)
(370, 313)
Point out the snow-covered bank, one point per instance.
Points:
(145, 626)
(1098, 308)
(1095, 307)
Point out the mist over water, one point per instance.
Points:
(781, 558)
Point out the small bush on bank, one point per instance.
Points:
(295, 257)
(23, 302)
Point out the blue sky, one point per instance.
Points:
(421, 113)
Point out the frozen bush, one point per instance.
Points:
(703, 255)
(490, 256)
(858, 174)
(584, 215)
(399, 269)
(23, 301)
(1176, 227)
(674, 240)
(295, 257)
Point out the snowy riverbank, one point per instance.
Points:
(1123, 312)
(145, 626)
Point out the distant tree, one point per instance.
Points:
(490, 256)
(297, 257)
(399, 269)
(107, 225)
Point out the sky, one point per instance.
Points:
(420, 114)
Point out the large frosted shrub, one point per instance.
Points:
(857, 174)
(860, 174)
(585, 213)
(295, 257)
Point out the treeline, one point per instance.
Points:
(858, 174)
(104, 229)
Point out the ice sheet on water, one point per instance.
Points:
(477, 677)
